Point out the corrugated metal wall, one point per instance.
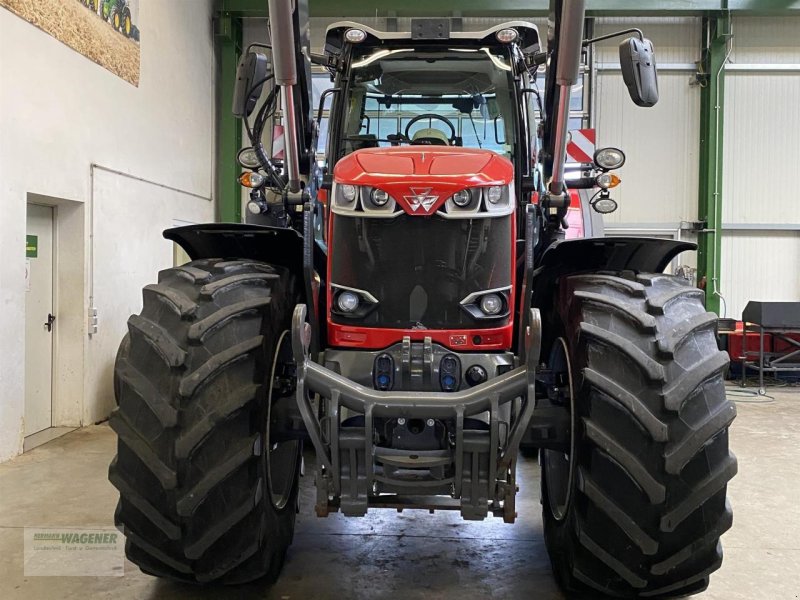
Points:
(761, 202)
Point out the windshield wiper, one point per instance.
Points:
(475, 129)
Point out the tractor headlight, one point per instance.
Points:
(348, 192)
(479, 202)
(609, 158)
(497, 199)
(491, 304)
(494, 194)
(347, 301)
(488, 304)
(462, 198)
(379, 197)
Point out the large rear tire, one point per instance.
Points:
(637, 507)
(205, 495)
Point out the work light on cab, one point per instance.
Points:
(355, 36)
(506, 36)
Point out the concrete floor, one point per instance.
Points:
(411, 555)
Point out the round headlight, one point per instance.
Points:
(379, 197)
(462, 198)
(609, 158)
(347, 301)
(506, 36)
(604, 205)
(248, 159)
(254, 207)
(348, 192)
(494, 194)
(355, 36)
(491, 304)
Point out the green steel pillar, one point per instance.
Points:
(229, 128)
(716, 33)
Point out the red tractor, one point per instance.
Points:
(412, 310)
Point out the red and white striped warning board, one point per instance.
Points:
(278, 142)
(580, 147)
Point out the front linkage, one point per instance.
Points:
(475, 473)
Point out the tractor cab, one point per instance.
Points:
(432, 87)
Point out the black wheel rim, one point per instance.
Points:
(558, 467)
(281, 456)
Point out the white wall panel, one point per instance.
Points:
(676, 39)
(660, 176)
(762, 147)
(759, 40)
(759, 266)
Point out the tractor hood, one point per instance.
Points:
(432, 173)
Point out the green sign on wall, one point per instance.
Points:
(31, 246)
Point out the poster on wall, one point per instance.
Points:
(104, 31)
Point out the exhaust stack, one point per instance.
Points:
(283, 44)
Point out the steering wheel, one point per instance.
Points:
(431, 116)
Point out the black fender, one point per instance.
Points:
(610, 254)
(274, 245)
(650, 255)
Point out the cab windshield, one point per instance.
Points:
(459, 97)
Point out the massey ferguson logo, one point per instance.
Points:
(421, 198)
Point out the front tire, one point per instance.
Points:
(637, 508)
(205, 495)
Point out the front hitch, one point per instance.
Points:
(354, 473)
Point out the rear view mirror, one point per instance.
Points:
(250, 77)
(638, 62)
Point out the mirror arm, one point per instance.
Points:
(615, 34)
(257, 45)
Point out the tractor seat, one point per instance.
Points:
(430, 136)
